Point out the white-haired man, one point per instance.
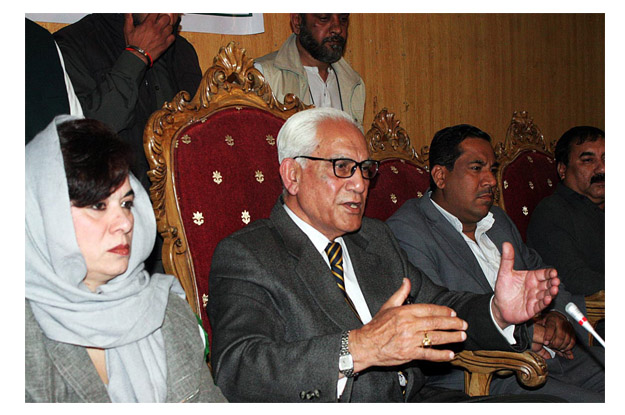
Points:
(317, 303)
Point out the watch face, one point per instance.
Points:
(346, 362)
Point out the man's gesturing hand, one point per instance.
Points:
(395, 334)
(520, 295)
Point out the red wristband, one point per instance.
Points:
(141, 51)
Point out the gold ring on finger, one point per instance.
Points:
(426, 342)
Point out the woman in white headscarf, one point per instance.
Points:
(99, 328)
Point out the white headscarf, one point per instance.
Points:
(125, 315)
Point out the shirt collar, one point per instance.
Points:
(318, 239)
(315, 69)
(482, 226)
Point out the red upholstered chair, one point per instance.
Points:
(213, 165)
(404, 175)
(403, 172)
(527, 170)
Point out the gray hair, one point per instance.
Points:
(298, 135)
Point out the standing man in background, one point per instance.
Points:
(310, 65)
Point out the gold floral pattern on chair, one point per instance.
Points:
(525, 165)
(259, 176)
(217, 178)
(419, 194)
(245, 217)
(186, 139)
(393, 198)
(394, 170)
(198, 218)
(233, 100)
(204, 300)
(271, 140)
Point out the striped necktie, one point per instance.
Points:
(335, 255)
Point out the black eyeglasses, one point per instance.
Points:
(345, 168)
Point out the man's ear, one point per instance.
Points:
(290, 172)
(296, 21)
(561, 170)
(439, 175)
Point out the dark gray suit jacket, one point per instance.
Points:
(436, 248)
(61, 372)
(433, 245)
(277, 315)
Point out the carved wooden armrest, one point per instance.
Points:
(595, 306)
(481, 365)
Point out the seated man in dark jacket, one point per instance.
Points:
(568, 228)
(455, 235)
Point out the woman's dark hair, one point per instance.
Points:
(96, 160)
(445, 147)
(576, 135)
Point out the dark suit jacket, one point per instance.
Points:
(277, 315)
(434, 246)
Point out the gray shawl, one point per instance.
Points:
(124, 316)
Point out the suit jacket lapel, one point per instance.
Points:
(449, 238)
(313, 272)
(372, 280)
(75, 366)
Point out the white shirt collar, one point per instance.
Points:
(318, 239)
(482, 226)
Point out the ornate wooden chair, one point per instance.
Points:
(404, 175)
(214, 166)
(527, 170)
(403, 172)
(595, 307)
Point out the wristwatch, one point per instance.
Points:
(346, 363)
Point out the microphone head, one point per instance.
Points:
(574, 311)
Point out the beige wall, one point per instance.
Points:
(435, 70)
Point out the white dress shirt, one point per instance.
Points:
(486, 254)
(323, 93)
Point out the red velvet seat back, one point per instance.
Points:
(396, 182)
(226, 175)
(525, 181)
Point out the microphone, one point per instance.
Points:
(581, 319)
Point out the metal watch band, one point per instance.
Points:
(344, 353)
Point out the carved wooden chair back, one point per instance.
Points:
(403, 171)
(213, 165)
(527, 170)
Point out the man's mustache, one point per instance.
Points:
(598, 178)
(336, 39)
(489, 191)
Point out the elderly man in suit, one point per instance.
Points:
(454, 234)
(317, 303)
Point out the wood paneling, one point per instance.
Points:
(435, 70)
